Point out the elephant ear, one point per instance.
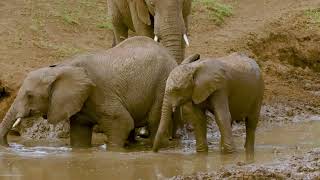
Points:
(69, 91)
(207, 79)
(143, 11)
(191, 59)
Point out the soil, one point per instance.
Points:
(296, 167)
(280, 35)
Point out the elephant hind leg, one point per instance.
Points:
(251, 125)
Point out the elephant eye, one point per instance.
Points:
(29, 95)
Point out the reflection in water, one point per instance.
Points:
(42, 162)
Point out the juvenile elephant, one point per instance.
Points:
(165, 20)
(230, 87)
(118, 89)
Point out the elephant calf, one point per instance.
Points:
(118, 89)
(230, 87)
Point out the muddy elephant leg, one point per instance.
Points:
(117, 126)
(80, 132)
(220, 106)
(198, 119)
(251, 125)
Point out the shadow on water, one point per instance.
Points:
(55, 162)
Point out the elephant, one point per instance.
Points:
(119, 89)
(230, 87)
(165, 20)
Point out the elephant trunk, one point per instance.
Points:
(7, 124)
(172, 30)
(174, 43)
(166, 118)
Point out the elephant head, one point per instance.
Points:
(170, 22)
(57, 93)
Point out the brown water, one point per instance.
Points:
(33, 162)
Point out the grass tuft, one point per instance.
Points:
(217, 11)
(314, 15)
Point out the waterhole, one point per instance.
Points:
(53, 161)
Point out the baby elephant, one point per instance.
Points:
(230, 87)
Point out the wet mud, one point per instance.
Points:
(281, 151)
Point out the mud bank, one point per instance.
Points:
(305, 166)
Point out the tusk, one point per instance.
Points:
(185, 37)
(16, 123)
(173, 109)
(156, 38)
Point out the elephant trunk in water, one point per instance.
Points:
(166, 118)
(7, 124)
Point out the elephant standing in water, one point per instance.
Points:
(230, 87)
(118, 89)
(165, 20)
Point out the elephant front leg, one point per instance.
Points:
(198, 119)
(80, 132)
(120, 29)
(220, 106)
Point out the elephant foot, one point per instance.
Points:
(202, 149)
(228, 150)
(249, 158)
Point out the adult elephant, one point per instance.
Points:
(230, 87)
(165, 20)
(118, 89)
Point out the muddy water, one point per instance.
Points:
(52, 161)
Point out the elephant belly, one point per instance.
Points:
(240, 107)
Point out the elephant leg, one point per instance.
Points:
(177, 123)
(80, 132)
(251, 125)
(120, 32)
(220, 106)
(198, 119)
(153, 119)
(140, 27)
(117, 126)
(120, 29)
